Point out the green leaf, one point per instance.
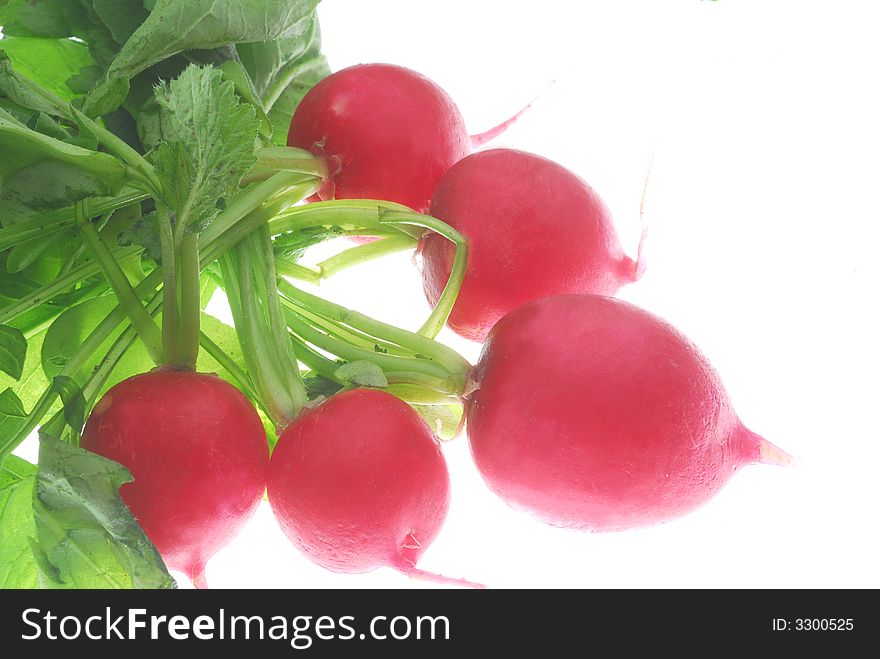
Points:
(26, 93)
(144, 232)
(362, 374)
(46, 125)
(30, 387)
(17, 529)
(48, 62)
(27, 253)
(42, 18)
(86, 537)
(174, 26)
(120, 17)
(234, 71)
(12, 413)
(67, 333)
(317, 386)
(283, 71)
(13, 351)
(293, 245)
(15, 286)
(30, 159)
(209, 144)
(207, 288)
(7, 116)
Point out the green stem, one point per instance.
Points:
(221, 357)
(71, 260)
(391, 363)
(289, 185)
(118, 147)
(61, 284)
(170, 314)
(289, 268)
(277, 324)
(417, 344)
(189, 307)
(128, 299)
(290, 159)
(374, 205)
(342, 332)
(357, 215)
(363, 253)
(323, 366)
(263, 366)
(426, 386)
(53, 221)
(349, 217)
(99, 376)
(444, 305)
(238, 279)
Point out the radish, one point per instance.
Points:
(534, 229)
(388, 133)
(359, 482)
(593, 414)
(198, 453)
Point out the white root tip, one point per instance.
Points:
(770, 454)
(484, 138)
(410, 570)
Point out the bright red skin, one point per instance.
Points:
(391, 132)
(359, 482)
(594, 414)
(534, 229)
(198, 453)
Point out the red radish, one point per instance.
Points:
(594, 414)
(534, 229)
(359, 482)
(389, 133)
(199, 455)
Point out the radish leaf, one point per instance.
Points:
(209, 145)
(362, 374)
(48, 62)
(174, 26)
(17, 568)
(13, 351)
(86, 537)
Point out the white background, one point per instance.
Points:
(763, 210)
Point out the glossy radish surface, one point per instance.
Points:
(198, 453)
(387, 132)
(534, 229)
(594, 414)
(359, 482)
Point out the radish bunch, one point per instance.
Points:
(583, 411)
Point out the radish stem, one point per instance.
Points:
(128, 299)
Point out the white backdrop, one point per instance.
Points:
(763, 210)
